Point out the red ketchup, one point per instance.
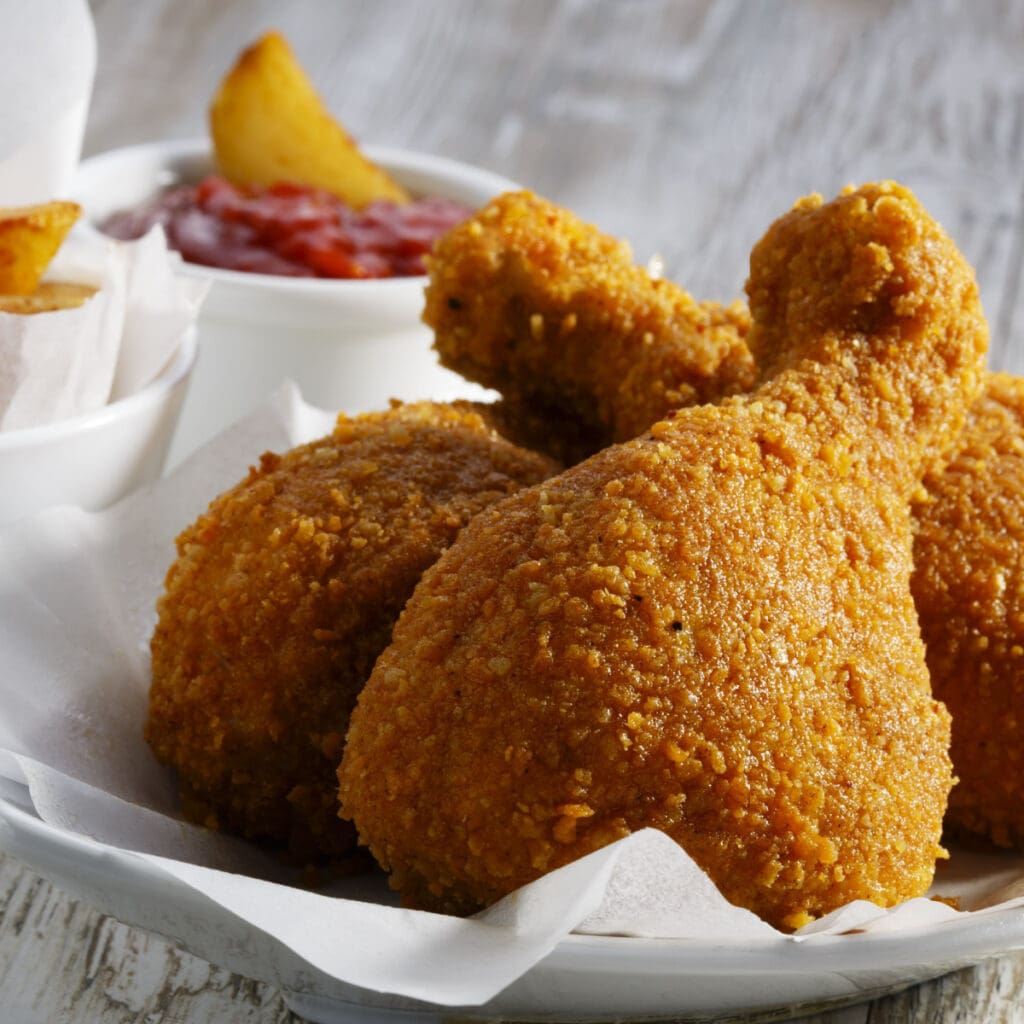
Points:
(291, 230)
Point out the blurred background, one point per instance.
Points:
(684, 126)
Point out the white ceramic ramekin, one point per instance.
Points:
(349, 345)
(97, 458)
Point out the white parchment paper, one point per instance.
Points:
(77, 594)
(61, 364)
(48, 56)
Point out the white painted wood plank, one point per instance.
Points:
(62, 961)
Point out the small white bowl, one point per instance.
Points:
(349, 345)
(97, 458)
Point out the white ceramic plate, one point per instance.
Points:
(76, 608)
(585, 978)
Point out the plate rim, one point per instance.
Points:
(994, 932)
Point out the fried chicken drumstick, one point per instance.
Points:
(527, 299)
(969, 574)
(282, 596)
(709, 629)
(969, 587)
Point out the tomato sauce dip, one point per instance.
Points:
(291, 230)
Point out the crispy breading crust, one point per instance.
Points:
(708, 630)
(526, 298)
(969, 586)
(282, 596)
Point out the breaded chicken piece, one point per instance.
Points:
(967, 540)
(527, 299)
(969, 586)
(538, 428)
(282, 596)
(708, 630)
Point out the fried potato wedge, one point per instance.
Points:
(49, 297)
(29, 238)
(268, 125)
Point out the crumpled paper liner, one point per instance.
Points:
(48, 53)
(77, 594)
(61, 364)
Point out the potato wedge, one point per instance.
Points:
(29, 238)
(268, 125)
(49, 297)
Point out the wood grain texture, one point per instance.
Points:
(62, 962)
(685, 126)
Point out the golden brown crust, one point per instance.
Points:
(282, 596)
(539, 428)
(886, 280)
(526, 298)
(708, 630)
(969, 587)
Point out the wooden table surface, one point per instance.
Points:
(683, 126)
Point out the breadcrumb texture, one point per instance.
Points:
(283, 594)
(969, 587)
(526, 298)
(708, 630)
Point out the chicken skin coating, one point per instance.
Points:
(282, 596)
(709, 629)
(969, 586)
(540, 429)
(527, 299)
(967, 540)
